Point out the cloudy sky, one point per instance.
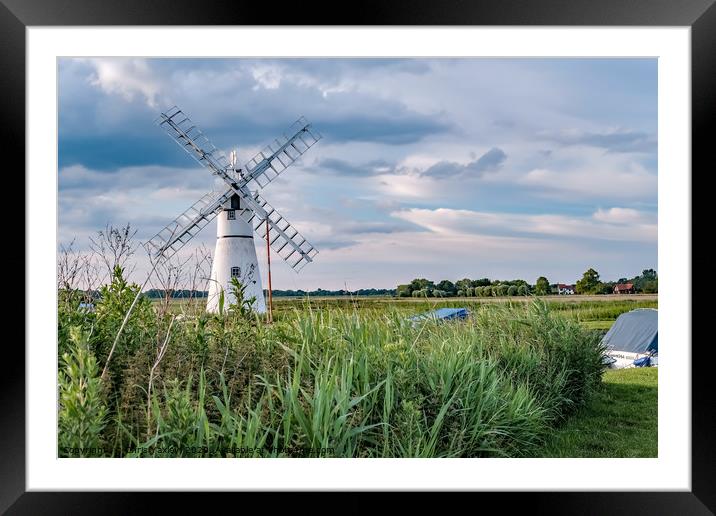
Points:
(439, 168)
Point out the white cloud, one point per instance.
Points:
(266, 76)
(641, 228)
(621, 216)
(146, 197)
(626, 181)
(270, 76)
(126, 77)
(405, 186)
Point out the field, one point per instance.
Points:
(592, 312)
(620, 421)
(338, 378)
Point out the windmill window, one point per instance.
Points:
(231, 215)
(235, 272)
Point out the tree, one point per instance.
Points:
(501, 290)
(651, 286)
(420, 284)
(589, 284)
(403, 291)
(113, 247)
(648, 282)
(169, 275)
(69, 266)
(522, 290)
(463, 284)
(542, 286)
(447, 286)
(483, 282)
(648, 274)
(200, 272)
(606, 287)
(512, 290)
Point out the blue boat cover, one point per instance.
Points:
(636, 332)
(443, 314)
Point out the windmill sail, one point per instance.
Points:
(280, 154)
(174, 236)
(263, 168)
(190, 138)
(284, 239)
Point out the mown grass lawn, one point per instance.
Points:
(620, 421)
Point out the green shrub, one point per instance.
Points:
(111, 308)
(70, 315)
(82, 409)
(322, 381)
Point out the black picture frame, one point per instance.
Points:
(17, 15)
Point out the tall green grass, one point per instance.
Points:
(344, 383)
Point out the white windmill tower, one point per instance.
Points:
(240, 211)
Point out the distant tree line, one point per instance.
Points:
(590, 283)
(484, 287)
(330, 293)
(177, 294)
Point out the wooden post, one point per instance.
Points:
(268, 259)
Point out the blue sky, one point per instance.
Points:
(437, 168)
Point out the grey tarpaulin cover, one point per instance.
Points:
(636, 332)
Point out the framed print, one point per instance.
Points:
(410, 251)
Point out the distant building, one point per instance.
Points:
(624, 288)
(563, 289)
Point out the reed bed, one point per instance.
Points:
(339, 382)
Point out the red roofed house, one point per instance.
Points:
(563, 289)
(624, 288)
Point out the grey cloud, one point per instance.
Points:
(504, 124)
(400, 129)
(618, 141)
(344, 168)
(491, 161)
(87, 181)
(358, 228)
(102, 130)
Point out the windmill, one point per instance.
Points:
(240, 212)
